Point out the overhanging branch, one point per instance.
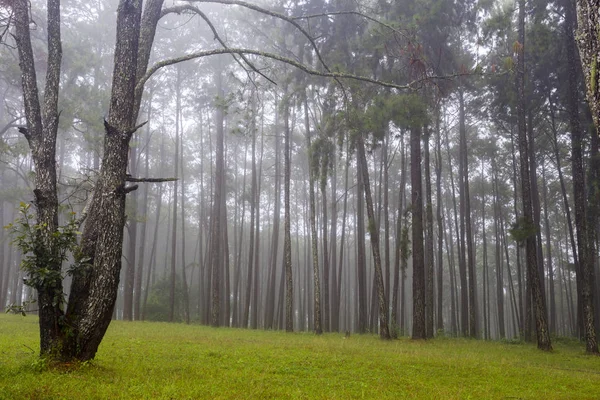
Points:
(274, 14)
(189, 7)
(300, 66)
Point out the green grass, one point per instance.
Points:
(172, 361)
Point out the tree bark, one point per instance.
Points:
(384, 331)
(313, 229)
(419, 329)
(173, 283)
(41, 133)
(468, 251)
(287, 240)
(430, 261)
(539, 305)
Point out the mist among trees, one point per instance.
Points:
(411, 168)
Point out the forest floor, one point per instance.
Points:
(151, 360)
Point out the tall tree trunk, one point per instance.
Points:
(518, 258)
(253, 197)
(287, 240)
(313, 229)
(588, 41)
(462, 268)
(589, 278)
(216, 221)
(256, 294)
(563, 189)
(466, 220)
(335, 294)
(132, 229)
(184, 282)
(399, 250)
(430, 261)
(384, 332)
(326, 283)
(152, 263)
(539, 304)
(386, 219)
(498, 261)
(486, 295)
(238, 268)
(343, 237)
(173, 286)
(272, 283)
(139, 273)
(419, 329)
(41, 132)
(440, 220)
(589, 44)
(552, 299)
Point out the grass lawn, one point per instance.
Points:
(144, 360)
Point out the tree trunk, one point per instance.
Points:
(384, 332)
(41, 131)
(400, 251)
(132, 230)
(251, 241)
(139, 273)
(539, 305)
(430, 261)
(588, 39)
(468, 252)
(173, 291)
(419, 329)
(549, 253)
(589, 278)
(313, 230)
(184, 282)
(287, 240)
(498, 262)
(440, 221)
(272, 283)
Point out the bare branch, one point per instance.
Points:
(10, 124)
(300, 66)
(272, 14)
(189, 7)
(150, 180)
(135, 128)
(129, 189)
(365, 16)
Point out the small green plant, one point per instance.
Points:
(44, 250)
(22, 309)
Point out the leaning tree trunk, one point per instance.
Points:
(384, 331)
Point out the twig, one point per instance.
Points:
(189, 7)
(150, 180)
